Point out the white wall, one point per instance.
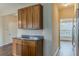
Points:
(9, 28)
(47, 17)
(29, 32)
(55, 28)
(1, 31)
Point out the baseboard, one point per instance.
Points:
(55, 54)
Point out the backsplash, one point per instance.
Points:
(29, 32)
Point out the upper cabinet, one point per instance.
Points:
(37, 17)
(31, 17)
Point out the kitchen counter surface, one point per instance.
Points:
(30, 38)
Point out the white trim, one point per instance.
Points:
(55, 54)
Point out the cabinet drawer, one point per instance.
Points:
(30, 43)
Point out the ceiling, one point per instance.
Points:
(8, 8)
(62, 5)
(66, 11)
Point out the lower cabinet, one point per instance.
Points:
(17, 47)
(27, 47)
(25, 50)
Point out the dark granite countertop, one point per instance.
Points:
(28, 37)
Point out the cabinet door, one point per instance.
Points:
(32, 51)
(19, 18)
(37, 17)
(18, 49)
(29, 17)
(28, 48)
(14, 48)
(32, 48)
(25, 49)
(23, 20)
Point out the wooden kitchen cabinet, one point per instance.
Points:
(19, 18)
(32, 51)
(30, 17)
(27, 47)
(25, 50)
(17, 51)
(37, 17)
(23, 18)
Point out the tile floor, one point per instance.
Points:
(66, 49)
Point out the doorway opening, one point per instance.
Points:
(67, 28)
